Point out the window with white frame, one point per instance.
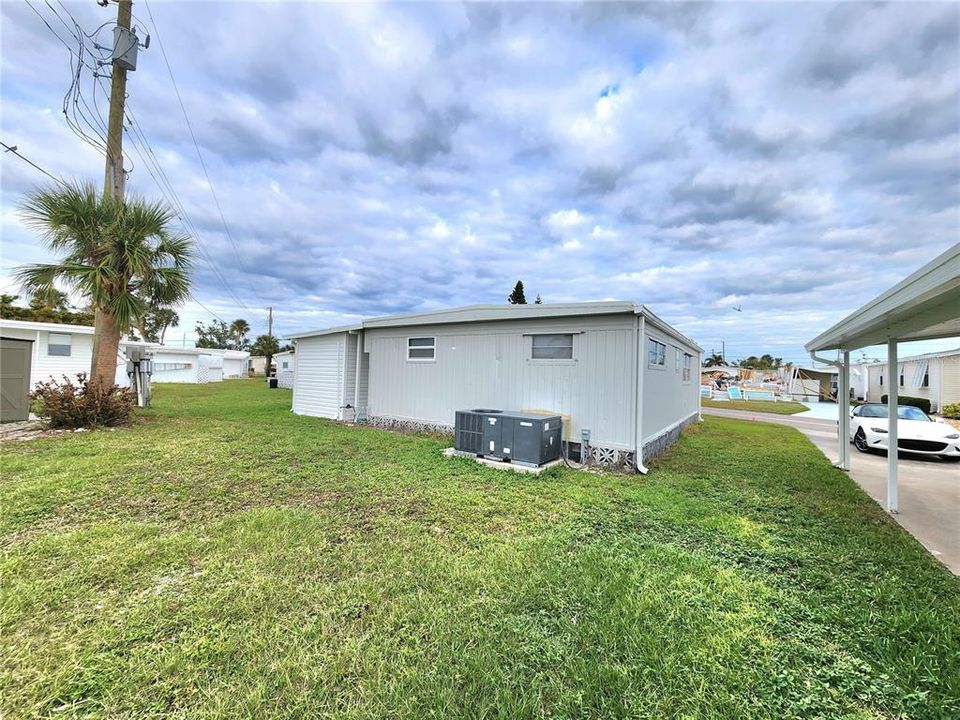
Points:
(656, 353)
(422, 348)
(552, 347)
(58, 344)
(687, 366)
(286, 365)
(676, 359)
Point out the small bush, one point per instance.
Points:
(80, 404)
(922, 403)
(951, 411)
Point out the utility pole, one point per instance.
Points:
(124, 46)
(270, 321)
(723, 351)
(113, 181)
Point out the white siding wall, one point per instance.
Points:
(181, 375)
(489, 365)
(950, 379)
(667, 398)
(235, 367)
(318, 381)
(44, 366)
(944, 377)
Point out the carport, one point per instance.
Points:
(924, 306)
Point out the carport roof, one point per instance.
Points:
(924, 306)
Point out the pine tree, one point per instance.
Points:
(538, 301)
(517, 297)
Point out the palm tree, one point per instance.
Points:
(120, 254)
(238, 329)
(714, 359)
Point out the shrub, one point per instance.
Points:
(80, 404)
(922, 403)
(951, 411)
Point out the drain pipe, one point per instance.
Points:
(638, 399)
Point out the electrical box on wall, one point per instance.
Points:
(510, 436)
(125, 45)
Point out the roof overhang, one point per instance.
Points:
(925, 306)
(46, 327)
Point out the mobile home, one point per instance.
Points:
(286, 365)
(935, 376)
(623, 380)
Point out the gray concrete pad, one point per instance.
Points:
(929, 488)
(500, 465)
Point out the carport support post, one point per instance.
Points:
(843, 400)
(893, 378)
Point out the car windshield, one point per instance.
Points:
(904, 412)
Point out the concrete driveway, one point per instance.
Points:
(929, 487)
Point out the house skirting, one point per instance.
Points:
(593, 455)
(657, 445)
(407, 425)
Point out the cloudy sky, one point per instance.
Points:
(791, 159)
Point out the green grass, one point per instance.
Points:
(787, 407)
(228, 559)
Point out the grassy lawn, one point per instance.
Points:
(787, 407)
(228, 559)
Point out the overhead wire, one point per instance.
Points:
(13, 149)
(196, 146)
(78, 113)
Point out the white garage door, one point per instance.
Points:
(318, 382)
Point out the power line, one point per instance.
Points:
(13, 149)
(196, 145)
(74, 102)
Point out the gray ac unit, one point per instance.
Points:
(510, 436)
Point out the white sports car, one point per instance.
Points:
(916, 433)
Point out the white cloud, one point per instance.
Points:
(372, 159)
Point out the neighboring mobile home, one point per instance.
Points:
(622, 379)
(236, 363)
(934, 376)
(286, 365)
(57, 350)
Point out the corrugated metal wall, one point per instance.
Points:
(318, 382)
(44, 366)
(489, 365)
(667, 398)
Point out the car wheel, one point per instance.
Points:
(860, 441)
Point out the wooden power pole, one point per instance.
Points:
(270, 321)
(113, 181)
(113, 177)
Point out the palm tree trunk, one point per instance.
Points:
(97, 330)
(105, 360)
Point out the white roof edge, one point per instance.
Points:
(938, 271)
(48, 327)
(492, 313)
(666, 327)
(324, 331)
(912, 358)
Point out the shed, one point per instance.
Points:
(15, 357)
(623, 379)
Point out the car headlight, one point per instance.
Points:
(879, 430)
(955, 436)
